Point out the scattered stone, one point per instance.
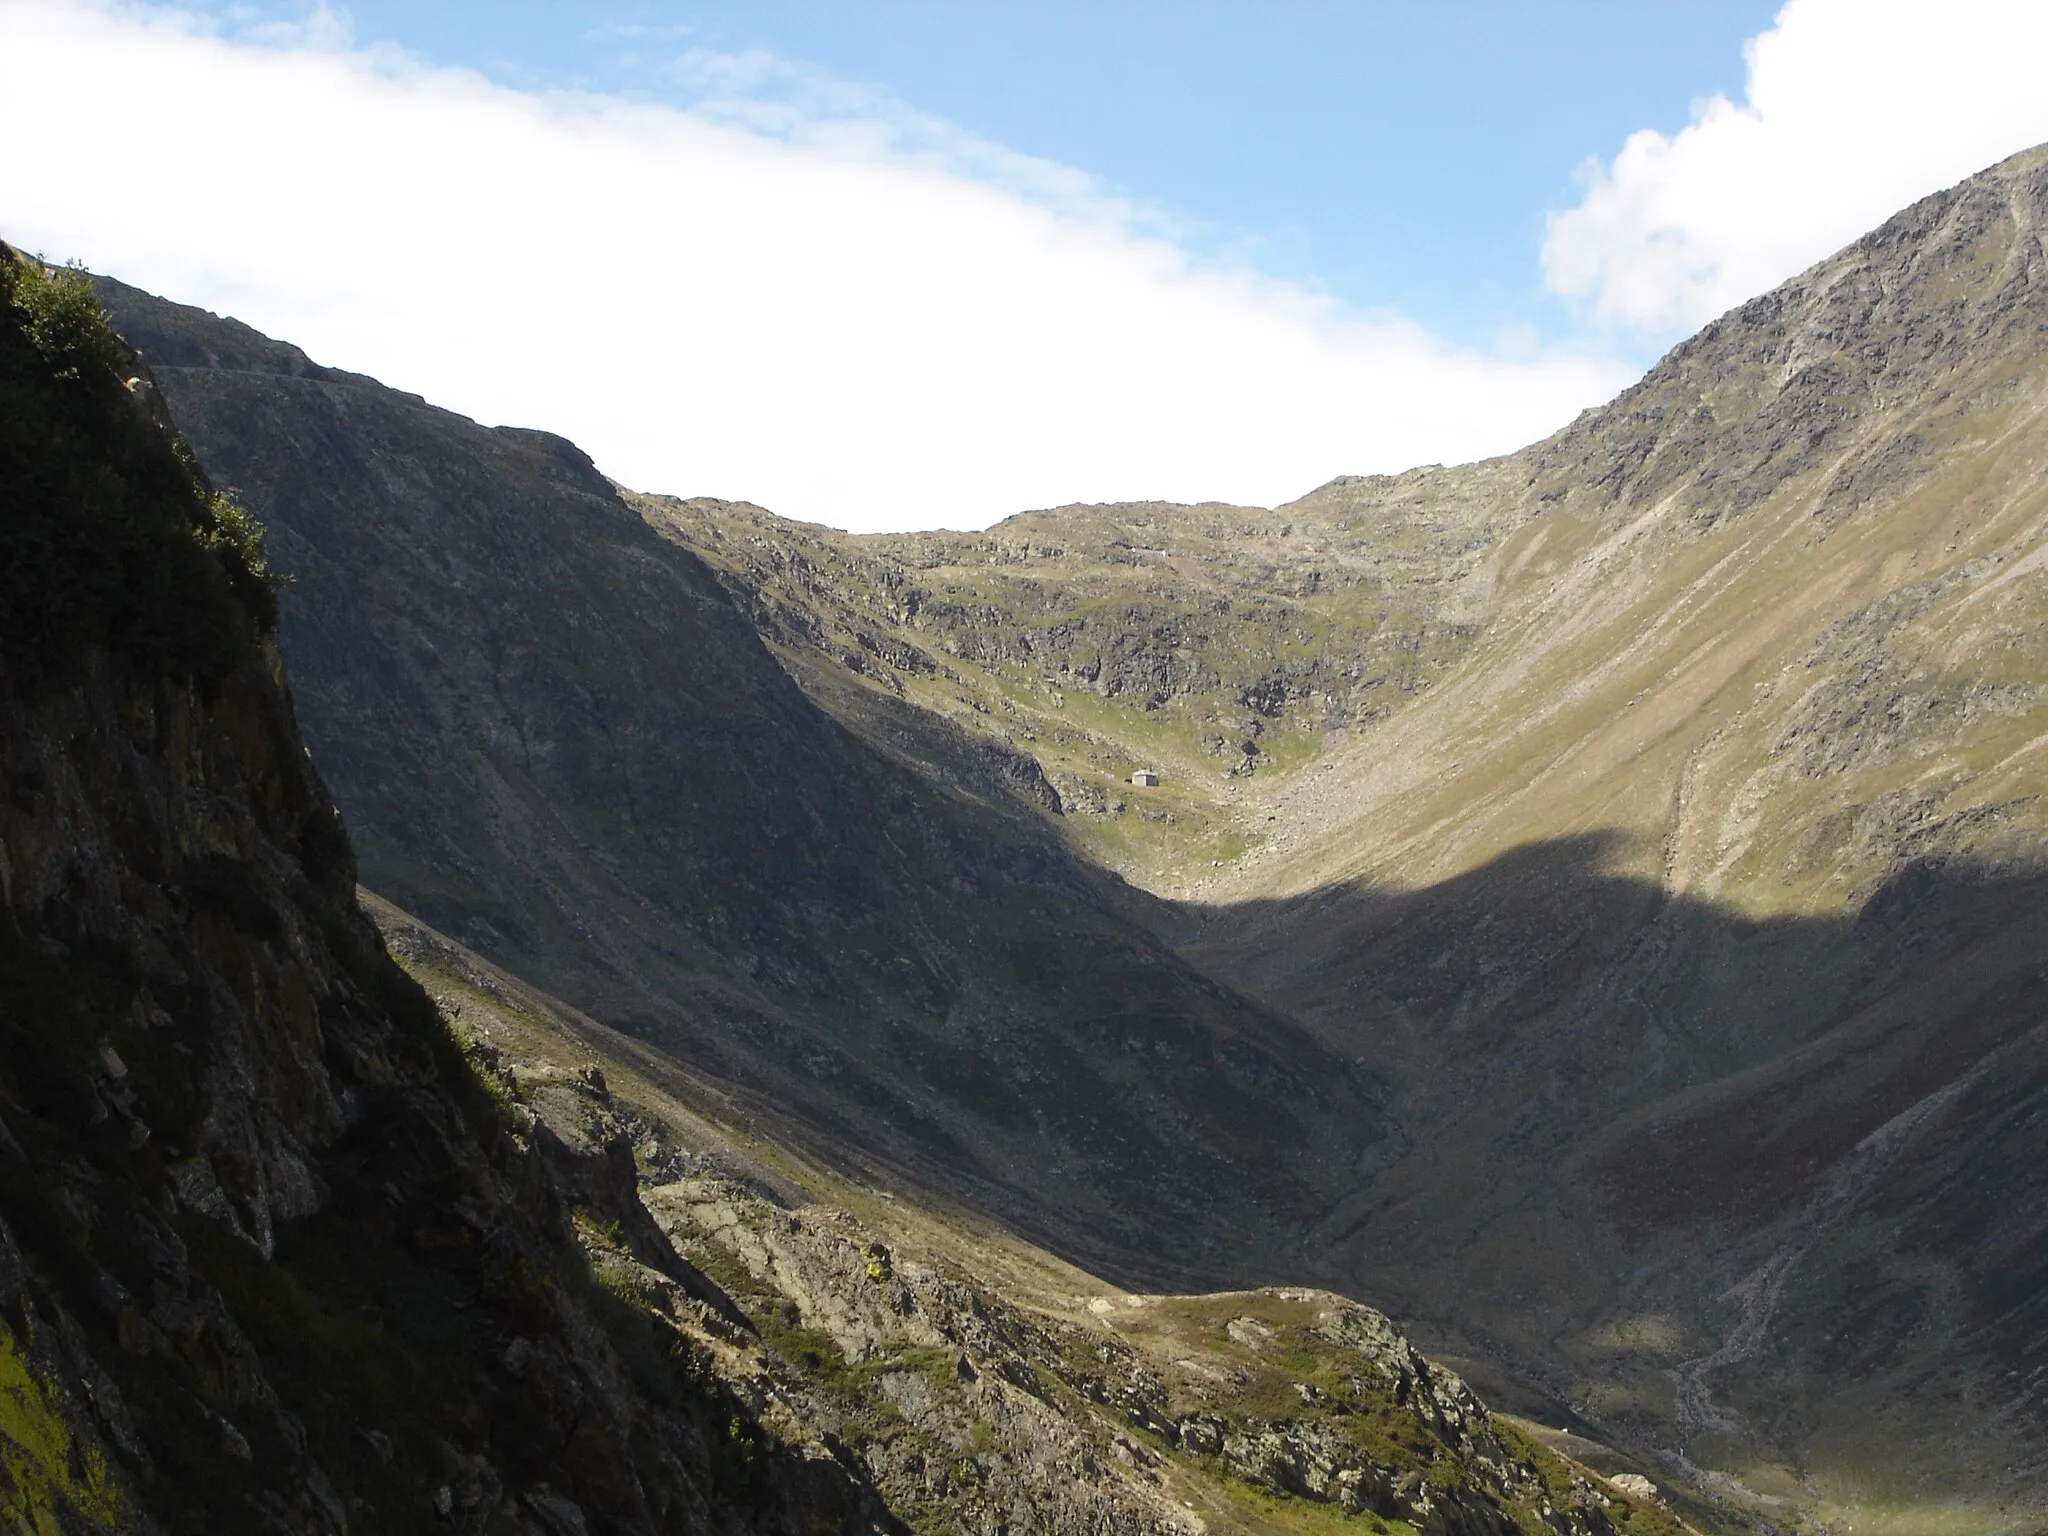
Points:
(1249, 1332)
(1637, 1486)
(1203, 1436)
(558, 1516)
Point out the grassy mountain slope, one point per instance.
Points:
(1217, 645)
(1699, 912)
(1684, 888)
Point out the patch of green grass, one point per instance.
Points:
(57, 1482)
(591, 1227)
(1308, 1517)
(1634, 1518)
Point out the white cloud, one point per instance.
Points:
(868, 320)
(810, 107)
(1853, 109)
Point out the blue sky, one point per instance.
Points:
(1398, 155)
(893, 265)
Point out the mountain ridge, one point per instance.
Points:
(293, 1242)
(1678, 818)
(891, 957)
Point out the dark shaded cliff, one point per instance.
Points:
(271, 1258)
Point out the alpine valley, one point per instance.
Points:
(780, 1071)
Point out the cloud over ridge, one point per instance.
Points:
(856, 327)
(1854, 109)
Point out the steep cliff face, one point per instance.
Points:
(557, 739)
(270, 1256)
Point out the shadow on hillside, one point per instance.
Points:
(1605, 1099)
(1708, 1063)
(1614, 1073)
(555, 737)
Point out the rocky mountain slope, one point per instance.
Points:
(984, 1384)
(1674, 857)
(1698, 912)
(1593, 901)
(1213, 644)
(559, 740)
(289, 1243)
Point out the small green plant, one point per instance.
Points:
(231, 534)
(62, 319)
(589, 1226)
(112, 538)
(620, 1280)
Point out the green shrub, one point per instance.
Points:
(63, 321)
(230, 533)
(110, 536)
